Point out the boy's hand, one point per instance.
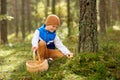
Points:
(70, 55)
(34, 48)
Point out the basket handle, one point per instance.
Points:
(34, 55)
(38, 56)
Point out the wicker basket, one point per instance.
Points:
(36, 65)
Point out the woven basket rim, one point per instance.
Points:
(34, 66)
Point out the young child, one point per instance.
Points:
(47, 43)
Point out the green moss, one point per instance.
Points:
(103, 65)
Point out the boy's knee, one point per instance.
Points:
(41, 43)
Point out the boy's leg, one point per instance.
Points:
(53, 53)
(41, 50)
(45, 53)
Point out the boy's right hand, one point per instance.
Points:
(70, 55)
(34, 48)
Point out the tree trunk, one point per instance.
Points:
(23, 20)
(16, 20)
(48, 3)
(114, 9)
(3, 29)
(102, 14)
(53, 6)
(118, 5)
(88, 27)
(36, 18)
(0, 22)
(28, 15)
(46, 8)
(108, 12)
(68, 17)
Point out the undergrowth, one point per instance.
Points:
(103, 65)
(83, 66)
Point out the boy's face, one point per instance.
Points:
(51, 28)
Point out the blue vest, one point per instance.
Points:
(47, 36)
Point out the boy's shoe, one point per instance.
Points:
(49, 60)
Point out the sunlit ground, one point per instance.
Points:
(11, 57)
(115, 27)
(74, 77)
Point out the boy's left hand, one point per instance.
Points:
(70, 55)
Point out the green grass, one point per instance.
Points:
(103, 65)
(84, 66)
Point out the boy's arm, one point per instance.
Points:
(61, 47)
(35, 40)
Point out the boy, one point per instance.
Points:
(45, 41)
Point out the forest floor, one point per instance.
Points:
(103, 65)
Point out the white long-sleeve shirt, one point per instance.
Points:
(57, 42)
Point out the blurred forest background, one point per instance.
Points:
(21, 18)
(87, 26)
